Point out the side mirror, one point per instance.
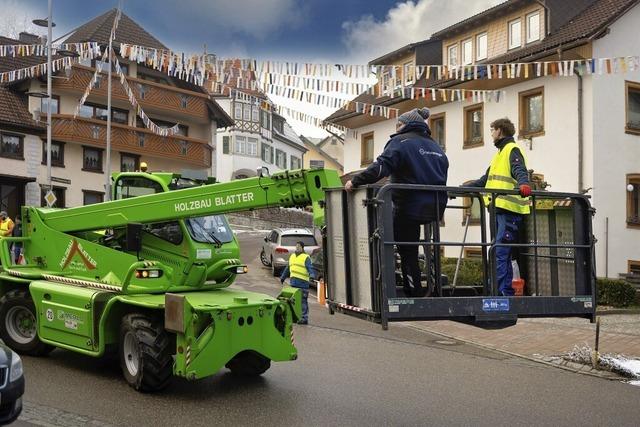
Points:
(263, 172)
(134, 237)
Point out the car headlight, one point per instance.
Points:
(16, 368)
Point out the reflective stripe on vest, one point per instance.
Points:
(297, 267)
(500, 178)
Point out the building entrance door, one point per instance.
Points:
(11, 196)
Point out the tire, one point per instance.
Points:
(263, 259)
(248, 364)
(19, 324)
(145, 352)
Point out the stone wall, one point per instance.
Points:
(267, 219)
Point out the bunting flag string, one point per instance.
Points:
(311, 83)
(315, 121)
(15, 50)
(92, 83)
(136, 105)
(40, 69)
(190, 68)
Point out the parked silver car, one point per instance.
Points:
(280, 243)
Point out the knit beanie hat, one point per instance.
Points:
(415, 115)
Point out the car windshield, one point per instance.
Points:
(292, 239)
(206, 229)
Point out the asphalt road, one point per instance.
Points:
(349, 372)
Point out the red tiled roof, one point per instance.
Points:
(14, 111)
(8, 63)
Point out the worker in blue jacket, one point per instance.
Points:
(300, 271)
(411, 156)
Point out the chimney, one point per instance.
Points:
(29, 38)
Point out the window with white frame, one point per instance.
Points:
(295, 162)
(247, 112)
(237, 111)
(267, 153)
(241, 145)
(252, 146)
(452, 55)
(386, 82)
(281, 159)
(408, 73)
(467, 52)
(255, 114)
(533, 27)
(316, 164)
(481, 46)
(515, 34)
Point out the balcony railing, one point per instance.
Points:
(152, 96)
(133, 140)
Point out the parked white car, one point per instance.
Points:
(280, 243)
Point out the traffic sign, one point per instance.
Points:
(50, 198)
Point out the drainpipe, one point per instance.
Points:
(580, 136)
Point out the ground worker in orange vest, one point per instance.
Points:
(508, 171)
(300, 271)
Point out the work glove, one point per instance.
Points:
(525, 190)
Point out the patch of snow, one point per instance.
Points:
(636, 383)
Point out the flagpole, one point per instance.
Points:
(107, 186)
(49, 71)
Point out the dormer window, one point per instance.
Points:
(467, 52)
(515, 34)
(452, 55)
(481, 46)
(533, 27)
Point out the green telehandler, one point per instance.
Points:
(147, 276)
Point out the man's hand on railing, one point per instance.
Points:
(349, 186)
(525, 190)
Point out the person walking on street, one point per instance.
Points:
(17, 246)
(410, 156)
(507, 171)
(300, 271)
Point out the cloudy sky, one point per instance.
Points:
(346, 31)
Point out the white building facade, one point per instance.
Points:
(259, 138)
(589, 142)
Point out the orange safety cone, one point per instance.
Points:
(322, 300)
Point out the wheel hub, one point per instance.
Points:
(21, 324)
(131, 354)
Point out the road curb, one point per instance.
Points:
(600, 374)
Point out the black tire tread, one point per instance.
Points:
(22, 296)
(156, 348)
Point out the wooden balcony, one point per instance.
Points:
(80, 130)
(154, 97)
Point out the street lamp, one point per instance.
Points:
(49, 25)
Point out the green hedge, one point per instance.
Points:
(615, 292)
(470, 272)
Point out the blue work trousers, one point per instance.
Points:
(304, 287)
(507, 232)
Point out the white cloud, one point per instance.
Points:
(405, 23)
(17, 17)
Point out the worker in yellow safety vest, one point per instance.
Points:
(6, 224)
(300, 271)
(508, 171)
